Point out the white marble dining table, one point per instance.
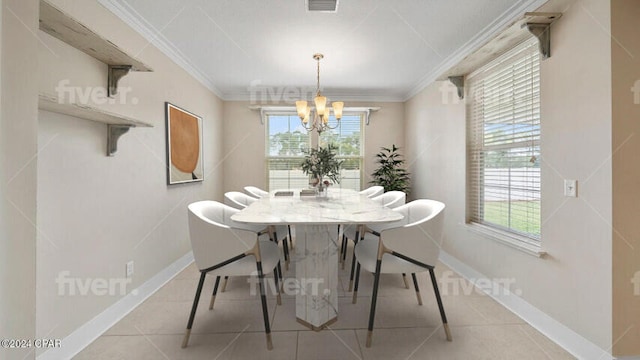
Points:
(317, 241)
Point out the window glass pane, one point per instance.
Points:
(287, 137)
(287, 140)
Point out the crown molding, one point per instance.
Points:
(488, 33)
(332, 95)
(132, 18)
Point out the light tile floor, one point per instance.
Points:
(481, 328)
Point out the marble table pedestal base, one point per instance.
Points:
(316, 275)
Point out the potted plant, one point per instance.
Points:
(320, 163)
(391, 173)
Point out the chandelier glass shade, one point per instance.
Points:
(318, 118)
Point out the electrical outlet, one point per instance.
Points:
(571, 188)
(130, 269)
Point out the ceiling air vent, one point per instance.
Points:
(322, 5)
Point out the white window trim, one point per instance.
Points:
(513, 240)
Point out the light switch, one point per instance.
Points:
(571, 188)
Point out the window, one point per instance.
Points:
(348, 137)
(287, 139)
(503, 115)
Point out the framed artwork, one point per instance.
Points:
(184, 146)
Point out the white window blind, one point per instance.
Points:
(503, 116)
(348, 137)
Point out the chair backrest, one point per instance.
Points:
(214, 236)
(372, 191)
(391, 199)
(238, 200)
(256, 192)
(419, 235)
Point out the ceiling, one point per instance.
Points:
(262, 49)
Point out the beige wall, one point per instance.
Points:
(18, 159)
(572, 284)
(244, 146)
(96, 213)
(625, 53)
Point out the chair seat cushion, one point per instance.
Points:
(247, 265)
(367, 254)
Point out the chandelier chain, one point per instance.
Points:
(318, 84)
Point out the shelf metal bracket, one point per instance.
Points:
(113, 134)
(458, 81)
(539, 24)
(543, 33)
(116, 72)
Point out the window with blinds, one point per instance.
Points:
(503, 116)
(287, 139)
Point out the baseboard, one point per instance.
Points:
(87, 333)
(568, 339)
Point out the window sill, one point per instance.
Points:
(512, 240)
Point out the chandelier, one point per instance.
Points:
(318, 119)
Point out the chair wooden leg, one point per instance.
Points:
(285, 249)
(353, 260)
(374, 297)
(406, 282)
(187, 334)
(442, 314)
(415, 285)
(265, 311)
(224, 284)
(215, 291)
(355, 286)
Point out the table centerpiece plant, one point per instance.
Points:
(320, 163)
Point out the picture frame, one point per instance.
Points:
(185, 162)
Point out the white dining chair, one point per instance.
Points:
(259, 193)
(411, 245)
(369, 192)
(372, 191)
(240, 201)
(391, 200)
(256, 192)
(224, 247)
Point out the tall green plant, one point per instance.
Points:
(391, 173)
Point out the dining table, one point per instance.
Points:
(315, 220)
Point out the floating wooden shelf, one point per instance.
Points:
(51, 103)
(117, 125)
(60, 25)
